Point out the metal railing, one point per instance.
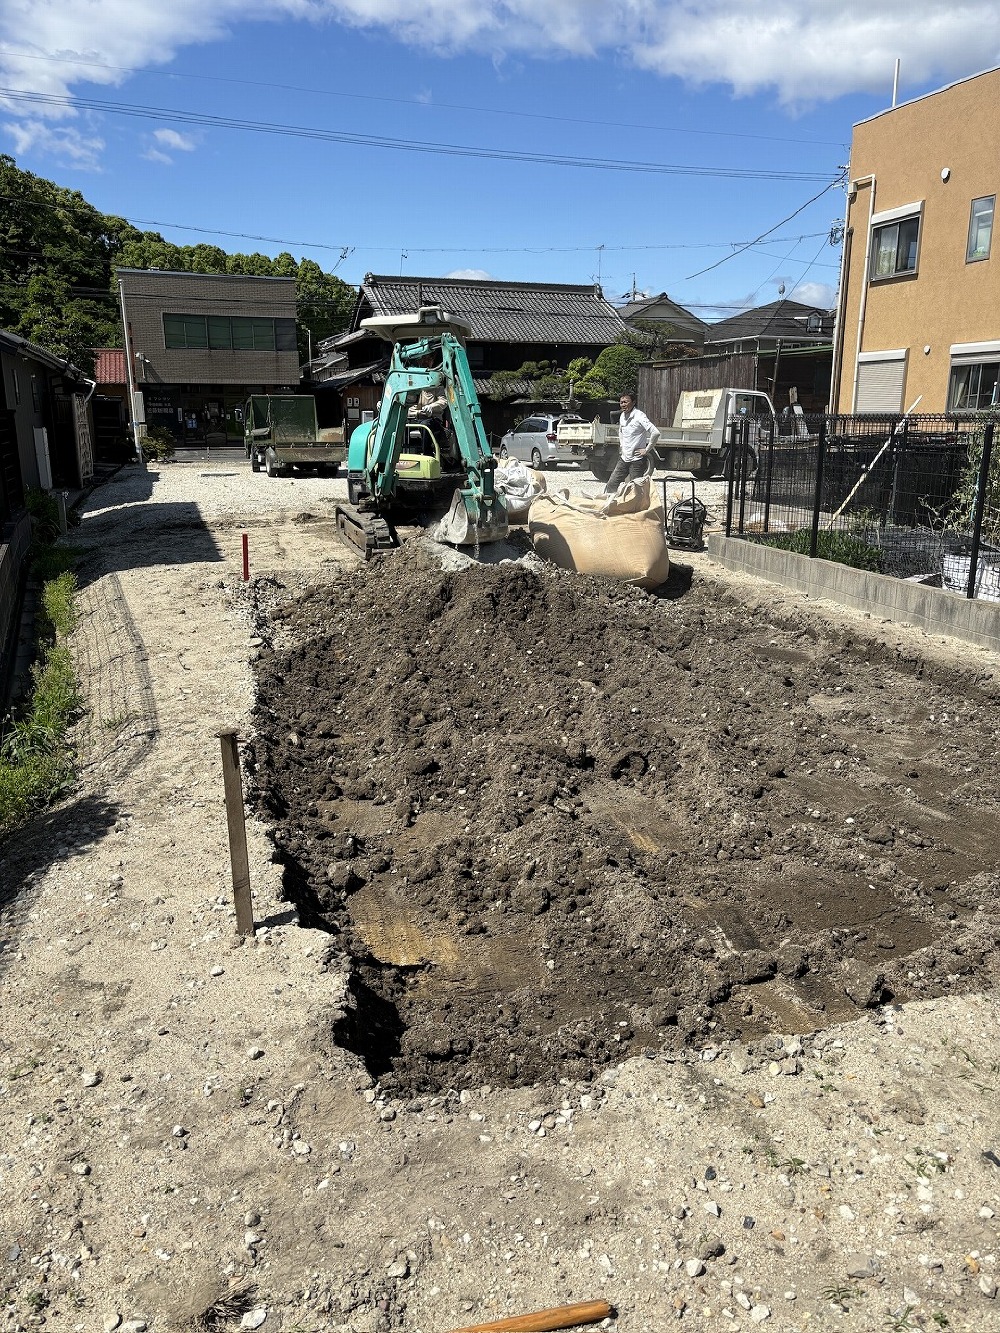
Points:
(913, 497)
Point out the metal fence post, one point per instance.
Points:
(744, 460)
(898, 447)
(733, 427)
(768, 473)
(977, 519)
(818, 497)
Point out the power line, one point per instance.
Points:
(257, 84)
(764, 235)
(403, 145)
(394, 249)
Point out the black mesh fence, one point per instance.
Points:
(914, 497)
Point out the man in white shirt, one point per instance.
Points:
(636, 437)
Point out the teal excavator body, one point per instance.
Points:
(428, 354)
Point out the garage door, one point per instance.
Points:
(880, 382)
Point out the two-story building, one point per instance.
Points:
(918, 317)
(197, 345)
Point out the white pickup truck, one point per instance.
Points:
(697, 442)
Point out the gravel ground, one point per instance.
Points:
(183, 1139)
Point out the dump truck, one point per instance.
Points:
(281, 436)
(697, 442)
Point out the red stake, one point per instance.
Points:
(246, 557)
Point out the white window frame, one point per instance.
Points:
(965, 356)
(970, 256)
(893, 217)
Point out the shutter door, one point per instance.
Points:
(880, 385)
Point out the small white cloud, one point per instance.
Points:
(65, 144)
(470, 274)
(154, 155)
(819, 294)
(425, 97)
(180, 143)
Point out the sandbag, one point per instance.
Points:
(631, 497)
(628, 544)
(519, 485)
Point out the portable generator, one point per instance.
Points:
(684, 522)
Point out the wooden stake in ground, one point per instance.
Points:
(236, 818)
(542, 1321)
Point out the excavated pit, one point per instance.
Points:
(552, 821)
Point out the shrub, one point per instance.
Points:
(44, 511)
(617, 368)
(961, 511)
(36, 764)
(844, 548)
(158, 443)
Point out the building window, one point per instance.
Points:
(894, 248)
(980, 229)
(229, 333)
(973, 387)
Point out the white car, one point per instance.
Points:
(533, 441)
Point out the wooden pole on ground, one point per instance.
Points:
(542, 1321)
(236, 819)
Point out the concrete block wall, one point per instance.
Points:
(931, 609)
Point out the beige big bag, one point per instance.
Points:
(621, 537)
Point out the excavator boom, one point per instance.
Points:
(428, 354)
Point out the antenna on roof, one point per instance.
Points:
(895, 82)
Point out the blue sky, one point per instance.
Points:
(731, 117)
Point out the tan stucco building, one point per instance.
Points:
(919, 309)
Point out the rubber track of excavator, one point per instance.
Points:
(366, 534)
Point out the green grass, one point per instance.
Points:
(844, 548)
(36, 763)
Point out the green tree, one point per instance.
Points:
(57, 260)
(55, 253)
(617, 368)
(325, 302)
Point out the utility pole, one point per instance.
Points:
(130, 376)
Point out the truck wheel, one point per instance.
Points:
(271, 466)
(726, 470)
(536, 460)
(254, 461)
(332, 469)
(601, 468)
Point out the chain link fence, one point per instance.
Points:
(915, 497)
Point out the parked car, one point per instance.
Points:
(534, 441)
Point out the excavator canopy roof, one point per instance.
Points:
(429, 321)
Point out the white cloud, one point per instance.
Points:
(820, 294)
(170, 139)
(805, 52)
(154, 155)
(470, 274)
(801, 52)
(65, 143)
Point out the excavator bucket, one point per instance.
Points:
(470, 522)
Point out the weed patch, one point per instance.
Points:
(36, 763)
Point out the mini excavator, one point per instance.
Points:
(428, 354)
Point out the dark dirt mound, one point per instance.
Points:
(555, 821)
